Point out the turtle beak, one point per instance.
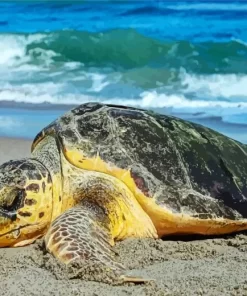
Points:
(8, 230)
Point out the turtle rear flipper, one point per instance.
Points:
(81, 235)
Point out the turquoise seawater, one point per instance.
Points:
(186, 58)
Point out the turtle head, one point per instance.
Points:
(25, 201)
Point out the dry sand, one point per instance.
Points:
(216, 266)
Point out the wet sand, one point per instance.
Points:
(216, 266)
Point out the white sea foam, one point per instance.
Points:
(231, 93)
(216, 85)
(155, 100)
(13, 48)
(48, 92)
(98, 82)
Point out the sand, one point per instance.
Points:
(216, 266)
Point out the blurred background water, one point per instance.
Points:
(185, 58)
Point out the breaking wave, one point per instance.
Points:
(121, 49)
(73, 67)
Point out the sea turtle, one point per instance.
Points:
(102, 173)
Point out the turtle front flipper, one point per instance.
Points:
(82, 234)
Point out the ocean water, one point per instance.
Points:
(185, 58)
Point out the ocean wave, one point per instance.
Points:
(72, 67)
(147, 10)
(203, 9)
(125, 49)
(224, 6)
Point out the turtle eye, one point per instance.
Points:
(13, 199)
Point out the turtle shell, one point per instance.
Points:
(183, 166)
